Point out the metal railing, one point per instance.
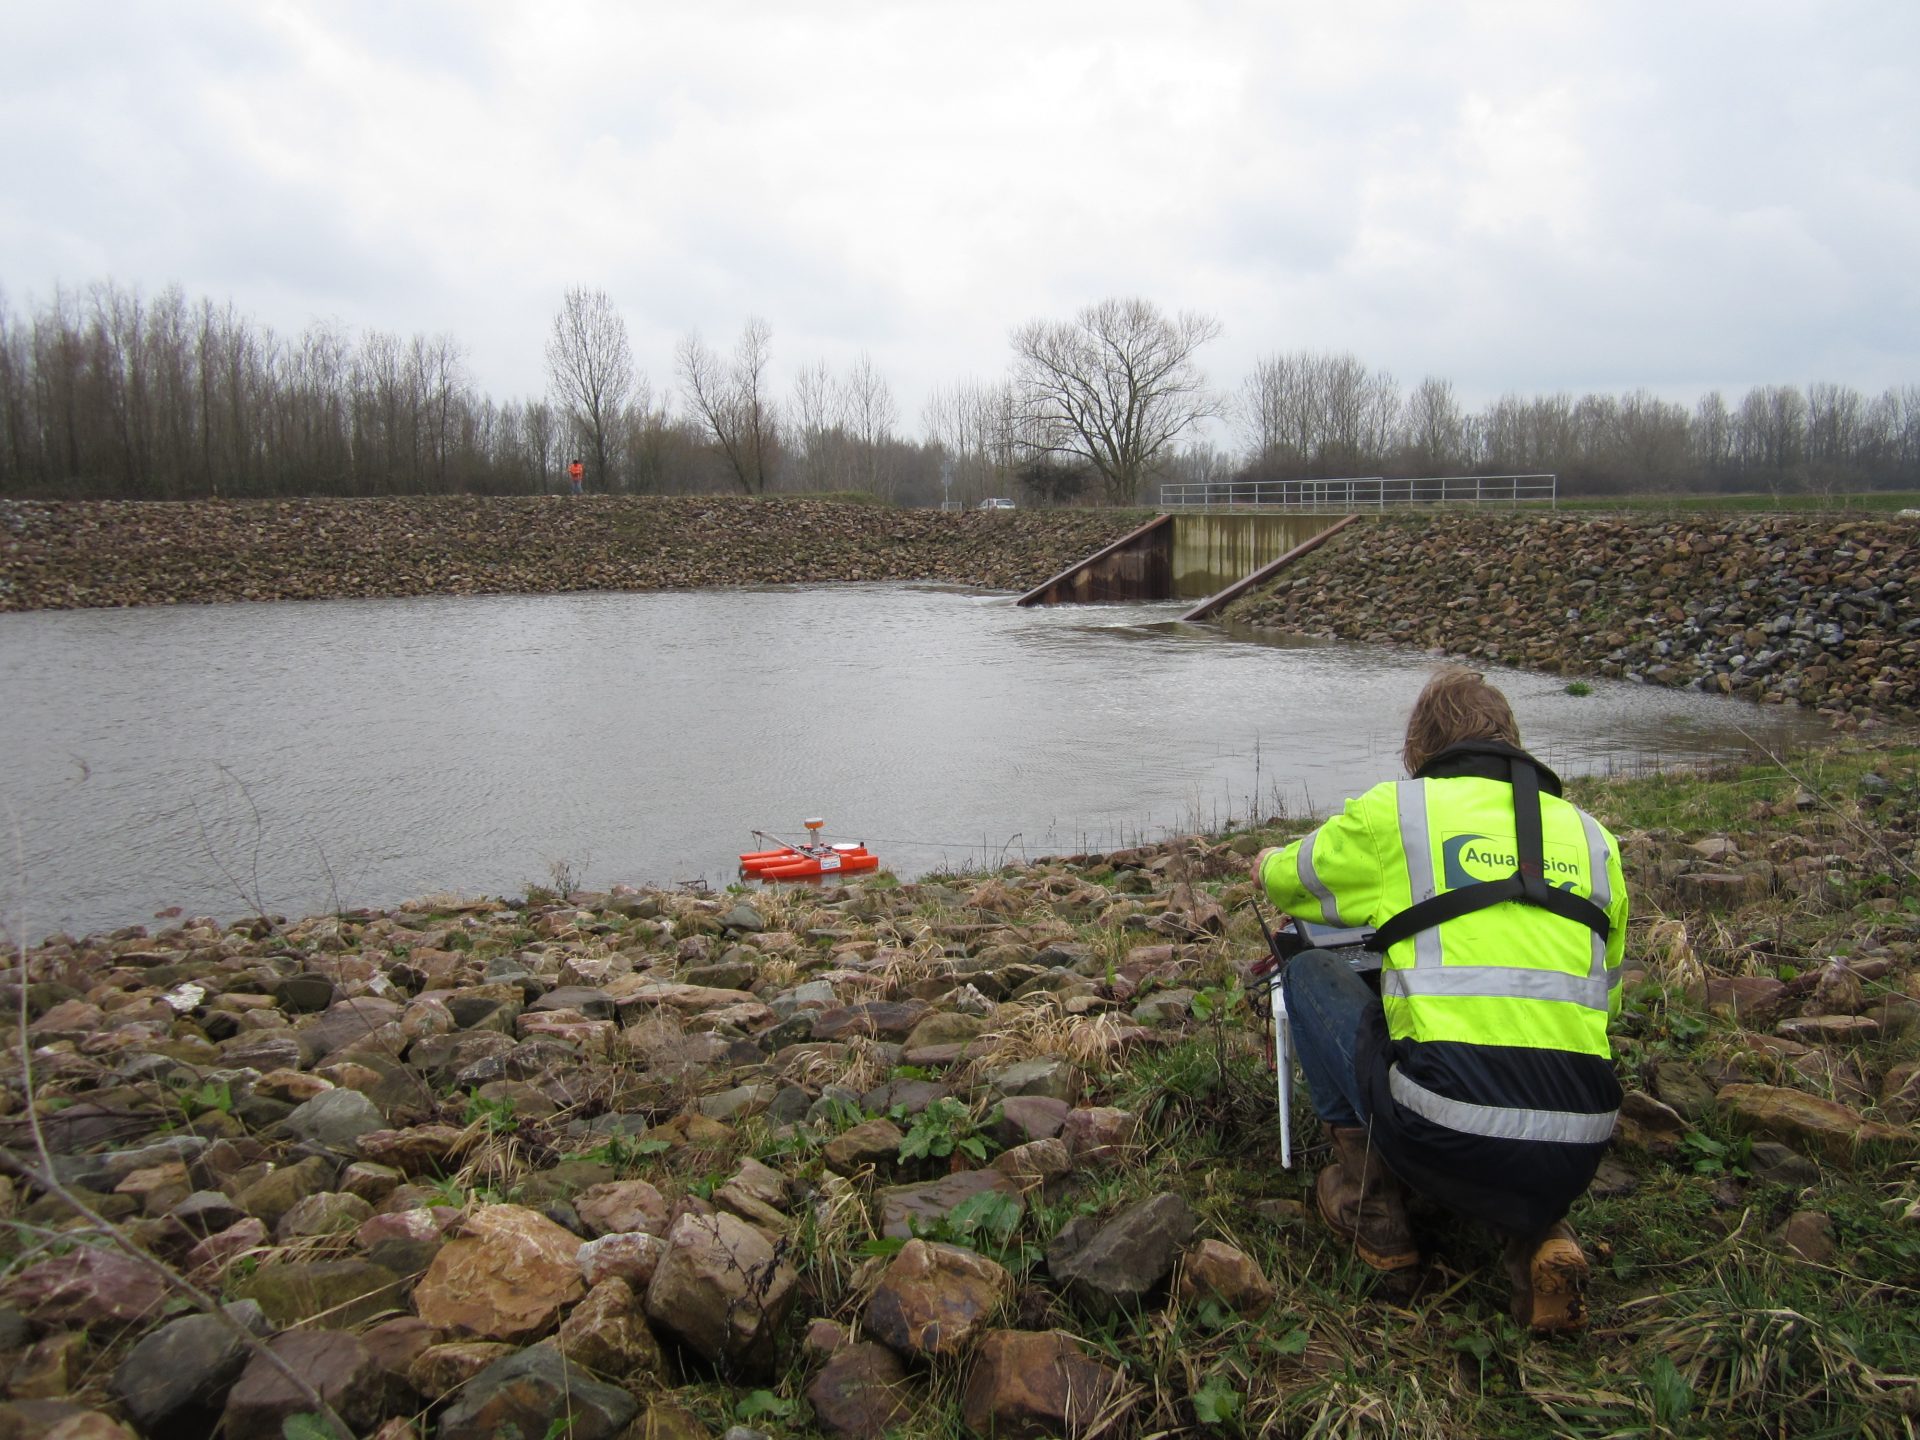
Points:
(1350, 494)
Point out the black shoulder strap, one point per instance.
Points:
(1527, 884)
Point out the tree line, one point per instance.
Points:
(108, 393)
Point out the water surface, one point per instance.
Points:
(302, 756)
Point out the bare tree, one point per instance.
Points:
(1319, 414)
(729, 399)
(590, 368)
(1115, 386)
(974, 428)
(870, 416)
(1711, 436)
(820, 427)
(1434, 429)
(1770, 432)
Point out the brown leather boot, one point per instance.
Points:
(1364, 1203)
(1549, 1278)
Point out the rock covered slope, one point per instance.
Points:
(987, 1156)
(69, 555)
(1810, 609)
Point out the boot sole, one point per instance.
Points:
(1374, 1260)
(1558, 1274)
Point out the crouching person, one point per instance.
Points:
(1480, 1074)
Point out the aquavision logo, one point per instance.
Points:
(1495, 860)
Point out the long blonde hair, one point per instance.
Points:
(1456, 705)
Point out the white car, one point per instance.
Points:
(997, 504)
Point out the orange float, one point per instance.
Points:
(808, 861)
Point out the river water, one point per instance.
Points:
(305, 756)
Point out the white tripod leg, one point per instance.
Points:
(1283, 1070)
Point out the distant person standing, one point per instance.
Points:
(576, 474)
(1481, 1073)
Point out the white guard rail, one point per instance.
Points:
(1350, 494)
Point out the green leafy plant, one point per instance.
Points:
(1709, 1156)
(209, 1095)
(990, 1216)
(1216, 1401)
(1578, 688)
(765, 1405)
(1669, 1392)
(1221, 1000)
(942, 1128)
(622, 1151)
(496, 1115)
(308, 1426)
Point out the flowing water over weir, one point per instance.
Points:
(1196, 556)
(305, 756)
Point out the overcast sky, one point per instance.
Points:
(1530, 196)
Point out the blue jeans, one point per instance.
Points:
(1326, 1005)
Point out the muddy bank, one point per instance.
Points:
(1813, 610)
(56, 556)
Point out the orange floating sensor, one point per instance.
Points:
(809, 860)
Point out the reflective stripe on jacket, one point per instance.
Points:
(1509, 975)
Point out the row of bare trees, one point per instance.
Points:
(104, 392)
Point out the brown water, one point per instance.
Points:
(312, 755)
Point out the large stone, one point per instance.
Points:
(49, 1368)
(420, 1150)
(507, 1278)
(722, 1289)
(878, 1019)
(1034, 1164)
(88, 1286)
(1115, 1265)
(280, 1189)
(906, 1210)
(187, 1364)
(621, 1207)
(933, 1299)
(943, 1028)
(1098, 1132)
(1900, 1093)
(529, 1394)
(334, 1364)
(335, 1119)
(1807, 1235)
(1026, 1385)
(1750, 999)
(1647, 1124)
(347, 1023)
(1047, 1075)
(439, 1370)
(861, 1392)
(1215, 1270)
(607, 1333)
(632, 1257)
(872, 1142)
(328, 1213)
(1029, 1117)
(1830, 1029)
(1825, 1127)
(1682, 1087)
(333, 1294)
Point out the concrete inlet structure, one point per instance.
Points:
(1211, 558)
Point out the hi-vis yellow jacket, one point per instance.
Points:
(1496, 1019)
